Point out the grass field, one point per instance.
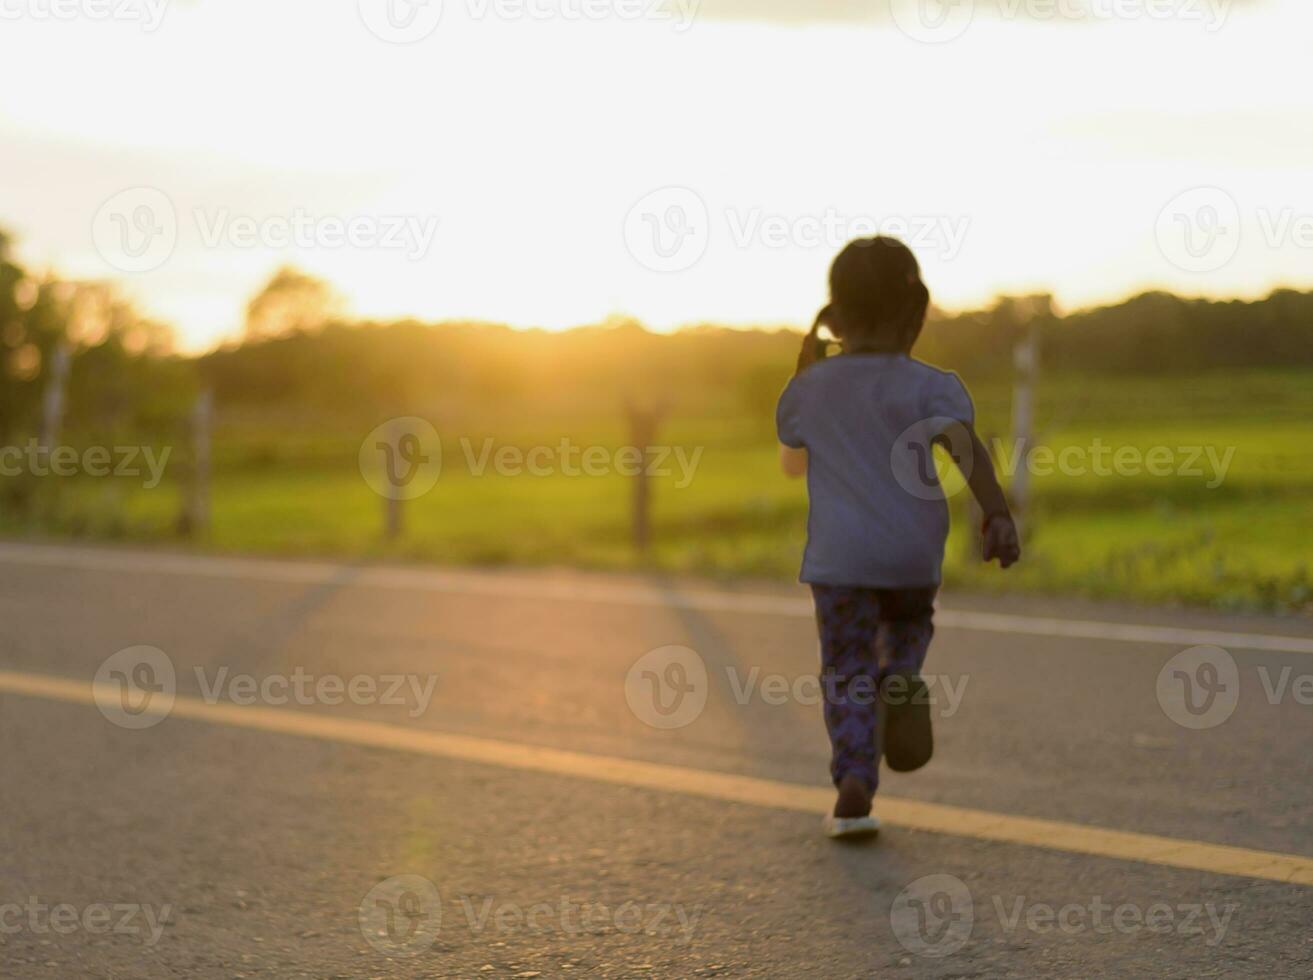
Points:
(1234, 538)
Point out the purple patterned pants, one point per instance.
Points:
(866, 634)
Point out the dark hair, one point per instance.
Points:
(875, 285)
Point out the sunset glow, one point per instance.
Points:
(489, 167)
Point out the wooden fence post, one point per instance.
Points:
(643, 426)
(1025, 359)
(195, 519)
(392, 511)
(52, 401)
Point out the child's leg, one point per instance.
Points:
(848, 620)
(906, 629)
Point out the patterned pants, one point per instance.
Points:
(866, 634)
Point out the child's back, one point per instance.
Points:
(878, 517)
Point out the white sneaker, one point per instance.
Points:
(836, 827)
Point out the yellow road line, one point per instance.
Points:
(914, 815)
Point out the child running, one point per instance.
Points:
(861, 425)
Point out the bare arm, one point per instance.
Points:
(982, 479)
(793, 461)
(972, 458)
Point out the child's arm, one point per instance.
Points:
(794, 461)
(999, 530)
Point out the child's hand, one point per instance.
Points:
(1001, 541)
(808, 355)
(813, 348)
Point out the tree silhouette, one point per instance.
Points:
(291, 301)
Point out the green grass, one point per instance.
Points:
(1242, 544)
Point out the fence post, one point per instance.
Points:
(52, 401)
(1025, 359)
(197, 519)
(643, 426)
(392, 512)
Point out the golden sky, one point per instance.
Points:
(550, 162)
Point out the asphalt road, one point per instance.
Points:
(200, 845)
